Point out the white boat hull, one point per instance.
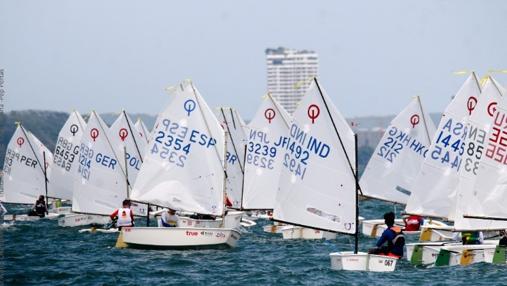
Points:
(24, 217)
(462, 254)
(424, 253)
(178, 237)
(362, 261)
(276, 227)
(297, 232)
(73, 220)
(427, 253)
(231, 220)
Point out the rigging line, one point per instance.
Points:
(133, 137)
(111, 146)
(423, 115)
(33, 150)
(338, 134)
(232, 140)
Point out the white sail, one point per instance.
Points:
(184, 168)
(317, 184)
(128, 144)
(66, 157)
(23, 178)
(234, 127)
(142, 129)
(480, 121)
(434, 188)
(264, 155)
(397, 159)
(100, 185)
(490, 189)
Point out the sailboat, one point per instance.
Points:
(318, 184)
(100, 185)
(142, 129)
(26, 172)
(66, 159)
(234, 127)
(437, 185)
(396, 162)
(480, 199)
(184, 170)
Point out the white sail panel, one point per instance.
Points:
(128, 144)
(100, 185)
(480, 125)
(398, 157)
(184, 168)
(66, 157)
(23, 179)
(317, 184)
(234, 127)
(142, 129)
(264, 155)
(434, 188)
(490, 189)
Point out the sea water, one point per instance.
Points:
(42, 253)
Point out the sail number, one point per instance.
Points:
(65, 153)
(449, 145)
(173, 142)
(396, 141)
(497, 141)
(12, 156)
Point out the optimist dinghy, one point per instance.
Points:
(26, 173)
(396, 162)
(184, 169)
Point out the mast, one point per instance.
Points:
(356, 235)
(423, 115)
(45, 180)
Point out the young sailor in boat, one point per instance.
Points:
(503, 239)
(394, 238)
(39, 208)
(413, 222)
(169, 219)
(123, 216)
(469, 237)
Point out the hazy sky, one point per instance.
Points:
(374, 55)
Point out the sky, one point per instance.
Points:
(374, 55)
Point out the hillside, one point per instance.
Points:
(47, 124)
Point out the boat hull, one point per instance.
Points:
(361, 261)
(297, 232)
(73, 220)
(24, 217)
(178, 237)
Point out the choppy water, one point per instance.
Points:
(44, 254)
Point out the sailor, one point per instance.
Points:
(123, 216)
(503, 239)
(394, 238)
(472, 237)
(169, 219)
(39, 208)
(413, 222)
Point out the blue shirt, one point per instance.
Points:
(387, 236)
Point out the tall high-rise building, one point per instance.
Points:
(289, 74)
